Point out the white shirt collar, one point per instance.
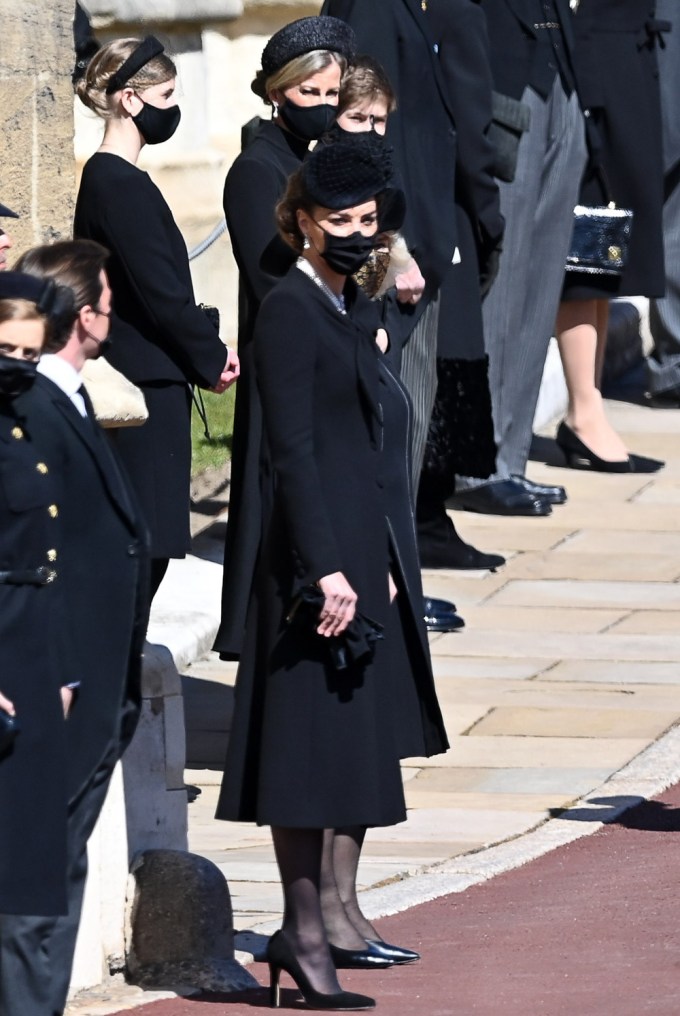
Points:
(61, 373)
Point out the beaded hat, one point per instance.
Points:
(305, 35)
(346, 174)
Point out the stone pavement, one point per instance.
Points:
(566, 672)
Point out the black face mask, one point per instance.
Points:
(157, 125)
(347, 254)
(16, 376)
(307, 122)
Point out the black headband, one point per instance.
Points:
(20, 286)
(147, 50)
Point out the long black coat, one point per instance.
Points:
(33, 781)
(422, 131)
(514, 41)
(616, 63)
(103, 577)
(311, 747)
(459, 28)
(161, 339)
(254, 184)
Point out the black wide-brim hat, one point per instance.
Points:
(346, 174)
(304, 36)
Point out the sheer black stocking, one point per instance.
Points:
(347, 844)
(298, 855)
(340, 929)
(346, 925)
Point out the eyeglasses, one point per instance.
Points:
(102, 313)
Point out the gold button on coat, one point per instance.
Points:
(42, 468)
(53, 510)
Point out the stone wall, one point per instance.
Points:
(36, 121)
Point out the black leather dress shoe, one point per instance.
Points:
(500, 497)
(431, 605)
(456, 554)
(370, 958)
(546, 492)
(440, 615)
(395, 952)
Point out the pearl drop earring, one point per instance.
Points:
(305, 243)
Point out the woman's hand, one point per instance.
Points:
(232, 369)
(339, 606)
(382, 340)
(7, 705)
(393, 588)
(410, 283)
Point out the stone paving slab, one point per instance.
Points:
(488, 617)
(499, 752)
(612, 567)
(515, 786)
(501, 534)
(647, 622)
(563, 645)
(624, 672)
(615, 541)
(587, 723)
(574, 593)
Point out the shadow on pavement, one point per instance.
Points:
(650, 816)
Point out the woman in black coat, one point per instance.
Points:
(162, 341)
(302, 65)
(316, 745)
(33, 784)
(619, 84)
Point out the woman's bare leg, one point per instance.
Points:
(579, 337)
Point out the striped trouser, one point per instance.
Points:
(419, 374)
(519, 312)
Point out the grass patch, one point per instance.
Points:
(212, 452)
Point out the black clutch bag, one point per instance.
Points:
(600, 240)
(357, 642)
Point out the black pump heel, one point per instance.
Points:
(580, 456)
(280, 957)
(274, 989)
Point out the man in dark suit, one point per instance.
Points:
(530, 55)
(102, 569)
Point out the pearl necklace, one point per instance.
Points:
(307, 269)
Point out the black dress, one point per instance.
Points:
(311, 746)
(254, 184)
(619, 84)
(33, 773)
(162, 341)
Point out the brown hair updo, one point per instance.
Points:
(91, 88)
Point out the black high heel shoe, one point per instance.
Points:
(280, 957)
(580, 456)
(396, 953)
